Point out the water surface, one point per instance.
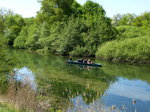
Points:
(81, 88)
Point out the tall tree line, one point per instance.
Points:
(62, 27)
(67, 28)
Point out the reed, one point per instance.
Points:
(23, 97)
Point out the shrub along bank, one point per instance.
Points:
(132, 49)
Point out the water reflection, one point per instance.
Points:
(81, 106)
(135, 89)
(113, 84)
(25, 76)
(123, 92)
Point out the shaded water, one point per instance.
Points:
(77, 88)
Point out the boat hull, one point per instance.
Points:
(80, 63)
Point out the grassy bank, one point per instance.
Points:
(131, 50)
(7, 108)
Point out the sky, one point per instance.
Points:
(28, 8)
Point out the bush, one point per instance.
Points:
(78, 51)
(6, 65)
(133, 49)
(21, 39)
(130, 32)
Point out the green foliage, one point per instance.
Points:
(33, 35)
(6, 65)
(70, 36)
(142, 20)
(21, 39)
(100, 33)
(3, 83)
(28, 36)
(132, 49)
(2, 24)
(54, 10)
(126, 19)
(79, 51)
(7, 108)
(3, 41)
(132, 41)
(47, 37)
(61, 27)
(13, 25)
(54, 110)
(132, 20)
(130, 32)
(68, 28)
(91, 13)
(77, 9)
(92, 8)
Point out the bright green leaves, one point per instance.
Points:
(93, 8)
(28, 36)
(92, 11)
(6, 65)
(131, 49)
(70, 36)
(55, 10)
(13, 25)
(131, 19)
(61, 27)
(21, 39)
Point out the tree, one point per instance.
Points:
(6, 66)
(13, 23)
(127, 19)
(33, 36)
(77, 9)
(70, 36)
(145, 19)
(99, 34)
(55, 10)
(21, 38)
(116, 19)
(91, 11)
(2, 26)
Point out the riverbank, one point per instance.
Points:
(20, 97)
(99, 56)
(7, 108)
(132, 45)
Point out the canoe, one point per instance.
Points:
(81, 63)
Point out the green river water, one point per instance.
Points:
(80, 88)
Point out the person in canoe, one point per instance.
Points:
(70, 58)
(85, 60)
(80, 60)
(90, 62)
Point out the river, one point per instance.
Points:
(79, 88)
